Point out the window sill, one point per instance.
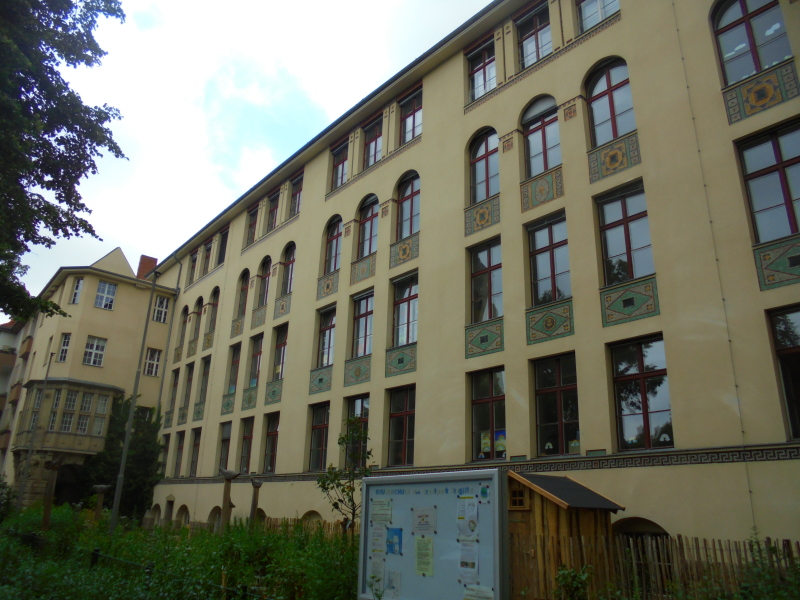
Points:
(494, 320)
(627, 283)
(549, 304)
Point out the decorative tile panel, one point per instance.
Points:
(484, 338)
(404, 251)
(183, 412)
(542, 189)
(549, 322)
(228, 402)
(191, 349)
(778, 264)
(320, 380)
(630, 301)
(482, 215)
(328, 285)
(237, 326)
(208, 340)
(357, 370)
(249, 398)
(259, 317)
(402, 359)
(199, 410)
(274, 392)
(282, 306)
(614, 157)
(767, 89)
(168, 418)
(362, 269)
(178, 354)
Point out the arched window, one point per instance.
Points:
(184, 322)
(198, 310)
(288, 270)
(542, 139)
(610, 102)
(408, 207)
(484, 167)
(213, 303)
(333, 246)
(244, 284)
(751, 37)
(368, 228)
(263, 283)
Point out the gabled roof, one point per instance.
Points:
(565, 492)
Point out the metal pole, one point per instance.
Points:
(33, 435)
(129, 427)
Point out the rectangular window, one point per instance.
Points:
(591, 12)
(358, 410)
(102, 405)
(272, 215)
(297, 196)
(247, 445)
(255, 359)
(179, 454)
(557, 406)
(106, 292)
(195, 452)
(487, 282)
(76, 290)
(99, 423)
(339, 177)
(482, 70)
(95, 350)
(72, 400)
(160, 309)
(488, 415)
(402, 404)
(62, 351)
(223, 246)
(271, 444)
(786, 333)
(373, 143)
(252, 220)
(327, 331)
(233, 374)
(173, 395)
(37, 402)
(533, 33)
(165, 442)
(192, 270)
(320, 414)
(51, 426)
(206, 258)
(34, 419)
(83, 424)
(411, 117)
(772, 174)
(224, 444)
(405, 311)
(549, 258)
(152, 361)
(642, 395)
(625, 235)
(86, 402)
(66, 422)
(281, 337)
(362, 325)
(187, 389)
(57, 399)
(201, 398)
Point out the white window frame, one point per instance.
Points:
(76, 290)
(160, 309)
(97, 426)
(106, 292)
(95, 351)
(86, 402)
(53, 420)
(72, 400)
(152, 361)
(82, 425)
(62, 352)
(66, 422)
(102, 405)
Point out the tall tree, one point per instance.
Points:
(49, 139)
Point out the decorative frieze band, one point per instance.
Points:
(362, 269)
(320, 380)
(404, 251)
(357, 370)
(484, 338)
(630, 301)
(541, 189)
(762, 91)
(778, 264)
(614, 157)
(402, 359)
(282, 306)
(482, 215)
(550, 322)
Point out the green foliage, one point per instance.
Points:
(572, 584)
(342, 487)
(49, 139)
(7, 497)
(142, 469)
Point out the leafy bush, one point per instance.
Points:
(7, 497)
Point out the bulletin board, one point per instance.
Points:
(433, 535)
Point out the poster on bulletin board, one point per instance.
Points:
(433, 535)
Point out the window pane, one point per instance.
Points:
(572, 438)
(626, 122)
(499, 378)
(766, 191)
(629, 397)
(786, 328)
(561, 257)
(614, 241)
(753, 5)
(559, 231)
(761, 156)
(626, 359)
(739, 68)
(632, 432)
(733, 43)
(793, 179)
(481, 430)
(653, 355)
(568, 373)
(733, 12)
(569, 405)
(541, 238)
(657, 393)
(643, 262)
(619, 73)
(480, 260)
(542, 265)
(661, 429)
(547, 408)
(774, 51)
(546, 376)
(772, 224)
(612, 211)
(548, 440)
(481, 385)
(790, 144)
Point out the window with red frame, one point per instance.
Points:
(484, 167)
(408, 207)
(244, 285)
(786, 333)
(327, 331)
(642, 395)
(213, 302)
(224, 444)
(368, 229)
(533, 33)
(320, 414)
(405, 311)
(256, 345)
(263, 282)
(487, 282)
(233, 372)
(206, 257)
(195, 452)
(550, 280)
(198, 311)
(358, 414)
(751, 37)
(184, 324)
(223, 246)
(333, 246)
(625, 235)
(557, 406)
(206, 366)
(482, 70)
(542, 138)
(362, 326)
(271, 443)
(772, 173)
(297, 196)
(592, 12)
(610, 103)
(288, 270)
(488, 415)
(339, 177)
(281, 337)
(373, 143)
(192, 274)
(411, 117)
(272, 215)
(402, 404)
(179, 453)
(173, 396)
(252, 220)
(247, 445)
(187, 389)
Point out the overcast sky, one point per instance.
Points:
(215, 95)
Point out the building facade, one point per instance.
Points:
(70, 370)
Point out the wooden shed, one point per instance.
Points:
(548, 518)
